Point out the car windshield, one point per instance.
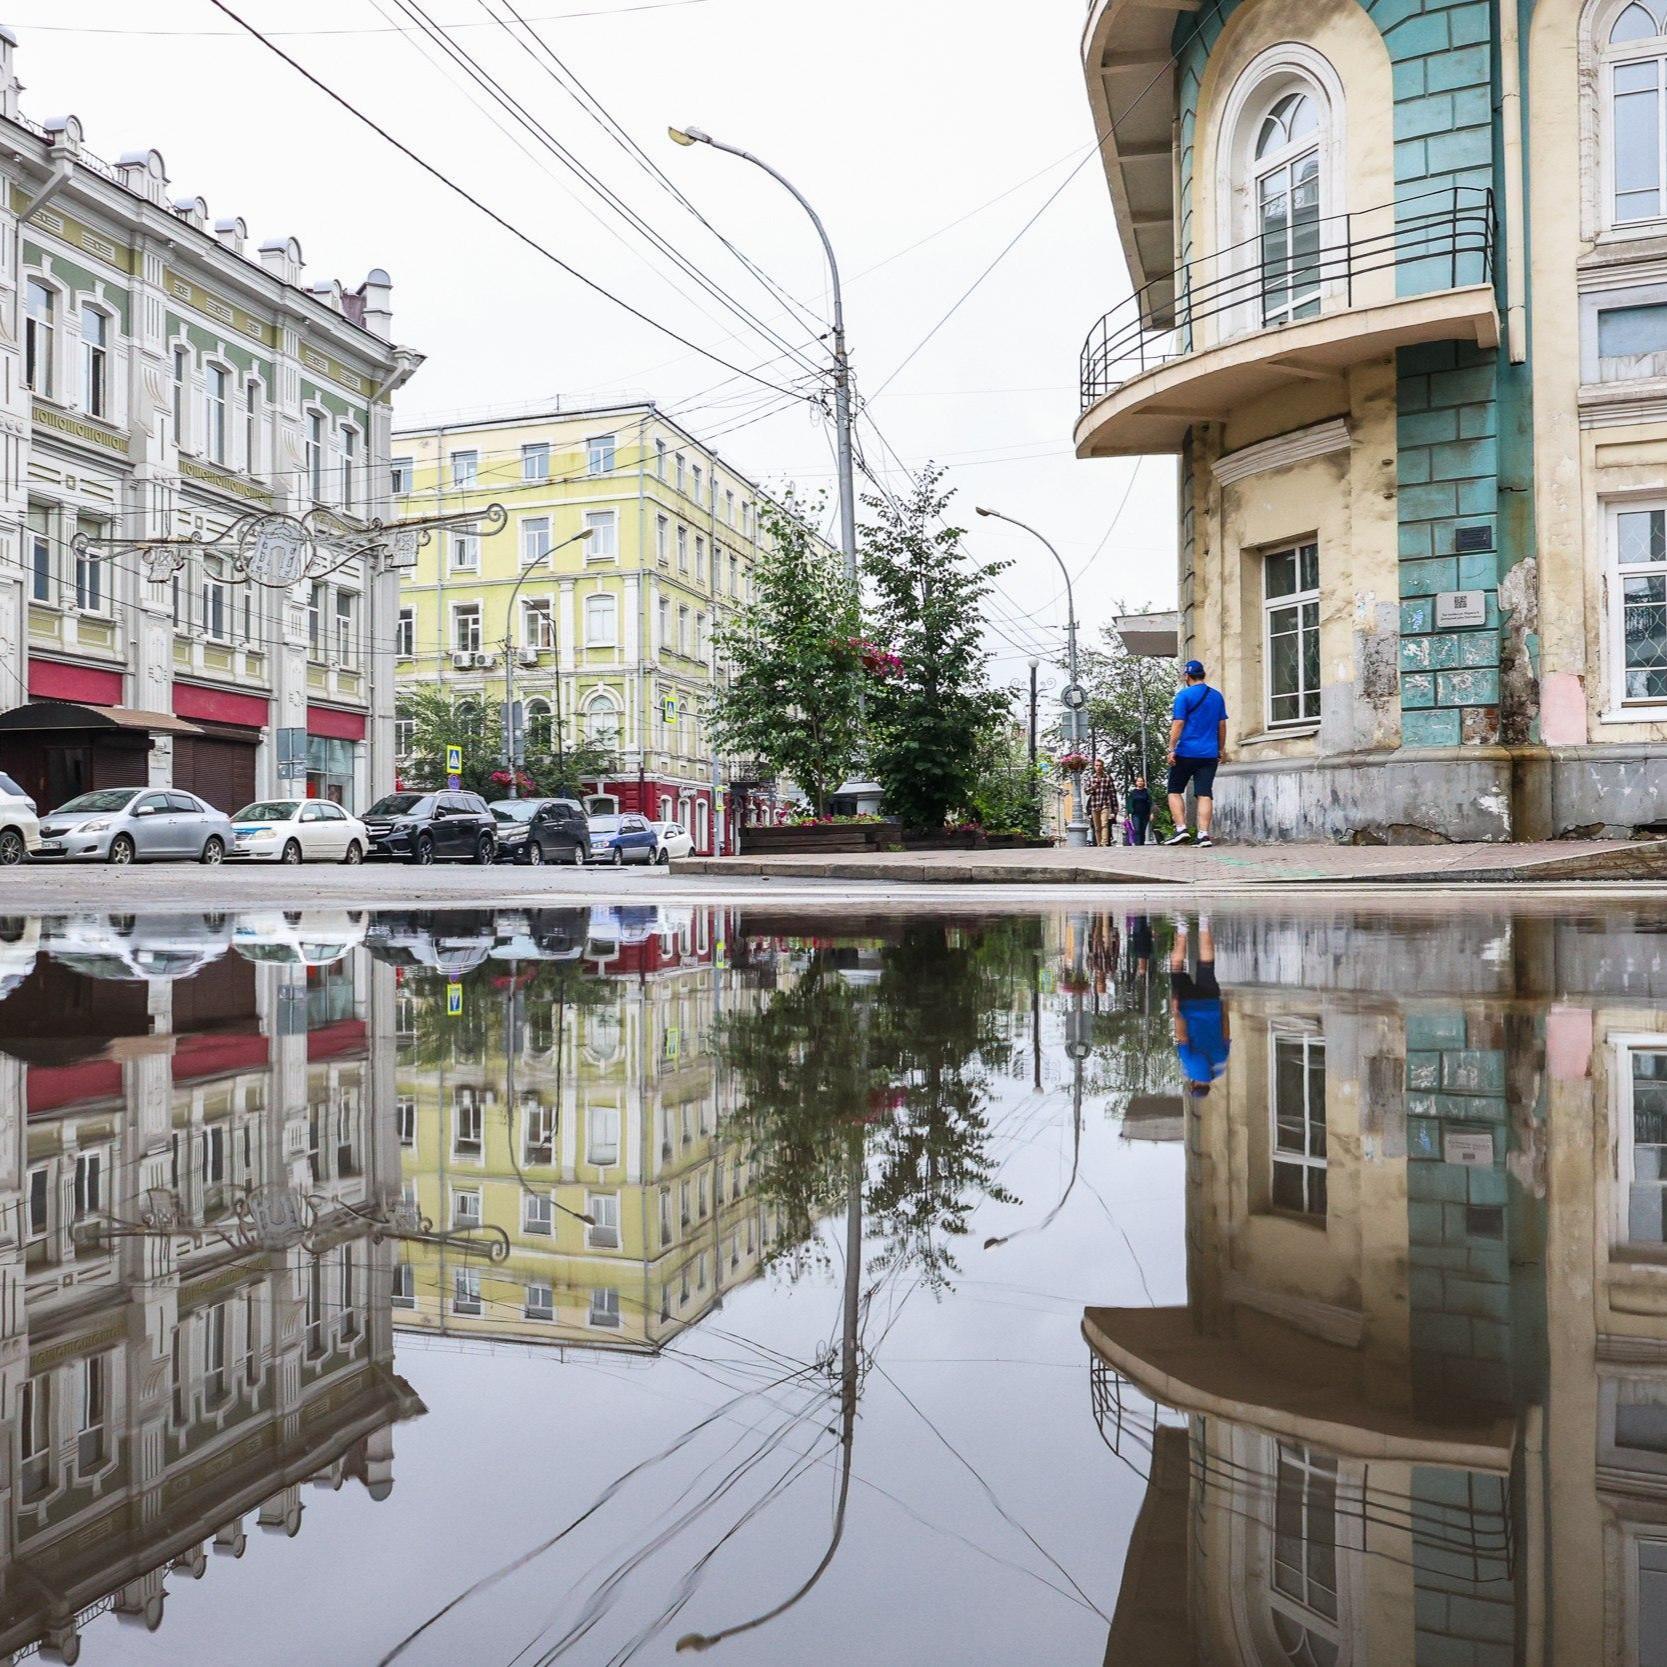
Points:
(112, 798)
(267, 810)
(10, 787)
(513, 810)
(605, 824)
(397, 804)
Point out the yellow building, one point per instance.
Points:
(611, 637)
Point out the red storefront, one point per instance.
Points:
(218, 763)
(669, 801)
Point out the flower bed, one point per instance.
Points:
(831, 838)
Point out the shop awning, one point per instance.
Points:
(64, 714)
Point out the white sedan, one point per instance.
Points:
(297, 830)
(674, 841)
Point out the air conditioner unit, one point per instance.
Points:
(462, 660)
(529, 656)
(484, 662)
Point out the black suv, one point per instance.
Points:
(432, 827)
(542, 830)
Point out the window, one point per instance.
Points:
(539, 1141)
(465, 1209)
(662, 536)
(1634, 81)
(535, 538)
(602, 1136)
(466, 1125)
(315, 455)
(89, 1184)
(1291, 635)
(603, 544)
(604, 1308)
(216, 411)
(465, 468)
(1638, 603)
(538, 624)
(535, 461)
(182, 371)
(401, 471)
(315, 1309)
(540, 726)
(1649, 1626)
(601, 612)
(350, 463)
(729, 507)
(251, 427)
(700, 560)
(695, 488)
(679, 463)
(40, 555)
(541, 1302)
(315, 619)
(1303, 1589)
(347, 627)
(602, 722)
(39, 329)
(216, 1356)
(603, 1210)
(700, 636)
(402, 1292)
(465, 1291)
(1286, 205)
(34, 1435)
(405, 1122)
(90, 594)
(682, 549)
(405, 733)
(665, 625)
(538, 1213)
(1299, 1123)
(465, 552)
(1643, 1143)
(89, 1441)
(660, 459)
(214, 598)
(733, 567)
(405, 635)
(95, 362)
(599, 452)
(683, 631)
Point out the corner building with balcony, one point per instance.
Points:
(1400, 311)
(160, 378)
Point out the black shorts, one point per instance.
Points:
(1198, 986)
(1201, 772)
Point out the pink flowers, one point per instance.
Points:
(876, 661)
(1073, 762)
(523, 782)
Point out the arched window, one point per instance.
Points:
(1632, 42)
(540, 729)
(601, 617)
(1285, 199)
(1302, 1599)
(601, 714)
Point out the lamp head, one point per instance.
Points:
(585, 536)
(688, 136)
(981, 510)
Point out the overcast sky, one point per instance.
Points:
(926, 134)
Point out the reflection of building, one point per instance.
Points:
(176, 1358)
(1427, 1189)
(604, 1101)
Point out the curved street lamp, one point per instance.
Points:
(512, 733)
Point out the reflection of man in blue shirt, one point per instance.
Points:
(1202, 1037)
(1197, 739)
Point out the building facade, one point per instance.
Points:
(1399, 312)
(610, 639)
(160, 379)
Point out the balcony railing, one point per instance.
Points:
(1303, 269)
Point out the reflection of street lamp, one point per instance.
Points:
(512, 730)
(1076, 832)
(511, 1049)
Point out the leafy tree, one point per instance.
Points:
(791, 697)
(925, 723)
(554, 760)
(1007, 791)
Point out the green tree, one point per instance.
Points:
(791, 697)
(554, 760)
(1007, 790)
(926, 723)
(1119, 686)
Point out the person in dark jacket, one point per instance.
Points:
(1139, 806)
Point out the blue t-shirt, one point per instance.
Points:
(1200, 709)
(1203, 1055)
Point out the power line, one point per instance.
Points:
(492, 214)
(206, 34)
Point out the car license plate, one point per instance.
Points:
(50, 845)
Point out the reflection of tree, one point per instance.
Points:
(904, 1056)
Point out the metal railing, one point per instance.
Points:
(1306, 269)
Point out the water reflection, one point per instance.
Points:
(787, 1225)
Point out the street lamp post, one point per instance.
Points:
(1076, 830)
(841, 381)
(512, 731)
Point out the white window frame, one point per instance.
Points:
(349, 463)
(254, 400)
(538, 623)
(601, 1233)
(535, 539)
(1310, 1040)
(405, 635)
(604, 723)
(401, 472)
(97, 358)
(465, 470)
(600, 452)
(603, 543)
(535, 1310)
(318, 452)
(538, 1214)
(461, 612)
(53, 326)
(95, 576)
(1623, 1045)
(603, 1313)
(602, 1152)
(217, 412)
(465, 1290)
(593, 606)
(467, 1208)
(1606, 59)
(1301, 1459)
(535, 461)
(463, 552)
(1298, 599)
(1644, 709)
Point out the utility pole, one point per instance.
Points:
(1033, 664)
(513, 732)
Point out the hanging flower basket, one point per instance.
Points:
(1074, 763)
(523, 782)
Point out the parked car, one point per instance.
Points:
(432, 827)
(541, 830)
(297, 830)
(20, 829)
(136, 824)
(301, 937)
(622, 839)
(675, 841)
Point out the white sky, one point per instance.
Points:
(953, 106)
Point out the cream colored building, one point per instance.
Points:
(1399, 314)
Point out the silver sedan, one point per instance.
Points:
(135, 824)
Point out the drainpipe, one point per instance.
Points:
(1510, 121)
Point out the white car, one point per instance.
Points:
(674, 841)
(309, 938)
(297, 830)
(20, 828)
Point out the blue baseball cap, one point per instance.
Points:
(1195, 668)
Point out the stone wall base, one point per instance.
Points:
(1447, 794)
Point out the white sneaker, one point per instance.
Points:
(1204, 842)
(1179, 837)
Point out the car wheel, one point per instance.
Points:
(12, 848)
(662, 857)
(355, 854)
(535, 854)
(292, 855)
(618, 857)
(484, 849)
(423, 851)
(578, 855)
(121, 849)
(214, 850)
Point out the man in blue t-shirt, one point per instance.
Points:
(1197, 739)
(1203, 1037)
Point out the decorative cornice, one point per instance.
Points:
(1283, 449)
(79, 429)
(223, 481)
(1617, 404)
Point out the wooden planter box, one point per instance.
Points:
(826, 838)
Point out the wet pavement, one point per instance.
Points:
(563, 1283)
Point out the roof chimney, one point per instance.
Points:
(281, 256)
(375, 296)
(234, 233)
(145, 174)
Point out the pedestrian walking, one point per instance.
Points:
(1102, 802)
(1203, 1037)
(1139, 806)
(1197, 739)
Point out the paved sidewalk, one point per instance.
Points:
(1222, 865)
